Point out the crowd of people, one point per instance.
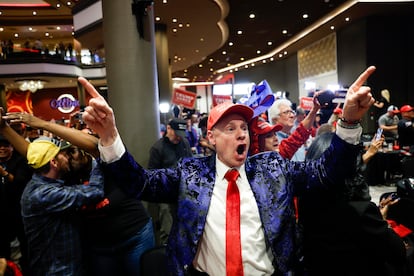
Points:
(236, 192)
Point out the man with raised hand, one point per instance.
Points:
(264, 244)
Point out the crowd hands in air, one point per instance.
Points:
(264, 177)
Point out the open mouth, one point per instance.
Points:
(240, 149)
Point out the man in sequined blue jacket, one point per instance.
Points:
(194, 243)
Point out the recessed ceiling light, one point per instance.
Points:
(284, 31)
(174, 20)
(332, 27)
(224, 52)
(239, 32)
(174, 30)
(1, 29)
(34, 13)
(305, 15)
(252, 15)
(258, 52)
(269, 43)
(347, 19)
(157, 18)
(230, 43)
(16, 35)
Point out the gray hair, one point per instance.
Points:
(274, 111)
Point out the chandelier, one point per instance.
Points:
(31, 85)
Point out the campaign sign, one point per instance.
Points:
(306, 103)
(218, 99)
(184, 98)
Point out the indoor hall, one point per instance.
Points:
(152, 53)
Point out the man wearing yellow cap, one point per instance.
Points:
(49, 207)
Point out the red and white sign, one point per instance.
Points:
(306, 103)
(218, 99)
(184, 98)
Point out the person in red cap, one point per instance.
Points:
(265, 240)
(389, 122)
(406, 127)
(264, 138)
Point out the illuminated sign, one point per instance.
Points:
(65, 103)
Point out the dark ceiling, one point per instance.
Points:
(262, 33)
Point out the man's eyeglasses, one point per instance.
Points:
(287, 112)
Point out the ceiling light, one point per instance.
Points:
(252, 15)
(31, 85)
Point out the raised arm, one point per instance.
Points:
(74, 136)
(308, 121)
(19, 143)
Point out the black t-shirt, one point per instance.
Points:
(114, 219)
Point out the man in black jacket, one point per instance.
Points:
(165, 153)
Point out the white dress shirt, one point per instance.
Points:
(211, 252)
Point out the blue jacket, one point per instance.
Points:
(273, 180)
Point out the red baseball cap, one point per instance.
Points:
(226, 108)
(406, 108)
(263, 127)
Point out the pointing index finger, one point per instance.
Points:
(362, 78)
(89, 87)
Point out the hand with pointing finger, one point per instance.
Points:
(98, 115)
(358, 98)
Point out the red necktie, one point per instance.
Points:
(234, 264)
